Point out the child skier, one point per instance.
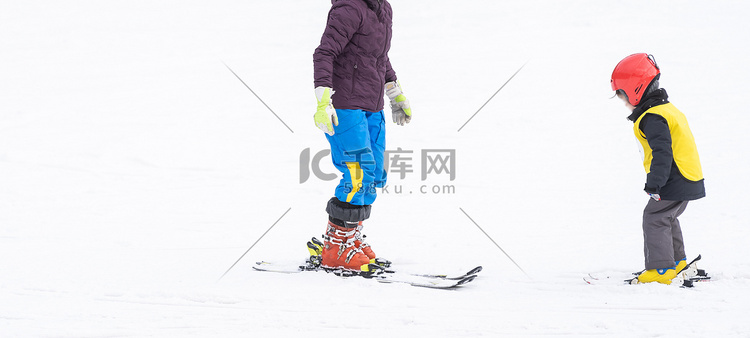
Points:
(352, 70)
(670, 157)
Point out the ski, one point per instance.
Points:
(471, 272)
(433, 281)
(295, 268)
(686, 277)
(282, 268)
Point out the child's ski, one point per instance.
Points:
(434, 281)
(685, 277)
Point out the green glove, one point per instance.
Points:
(399, 103)
(325, 117)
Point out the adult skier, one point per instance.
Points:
(670, 158)
(352, 71)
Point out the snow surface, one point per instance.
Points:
(135, 169)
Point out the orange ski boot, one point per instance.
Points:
(339, 251)
(359, 242)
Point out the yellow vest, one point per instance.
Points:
(684, 151)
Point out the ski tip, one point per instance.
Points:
(466, 280)
(475, 271)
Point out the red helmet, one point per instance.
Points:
(633, 75)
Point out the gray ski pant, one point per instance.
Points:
(662, 235)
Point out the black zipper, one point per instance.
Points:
(354, 78)
(385, 53)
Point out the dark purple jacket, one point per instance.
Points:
(353, 54)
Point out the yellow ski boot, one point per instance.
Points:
(663, 276)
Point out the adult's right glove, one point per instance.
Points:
(325, 117)
(399, 104)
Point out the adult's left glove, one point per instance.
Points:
(399, 104)
(325, 117)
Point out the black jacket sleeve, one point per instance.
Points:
(656, 130)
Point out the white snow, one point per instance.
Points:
(135, 169)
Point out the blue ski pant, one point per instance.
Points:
(357, 149)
